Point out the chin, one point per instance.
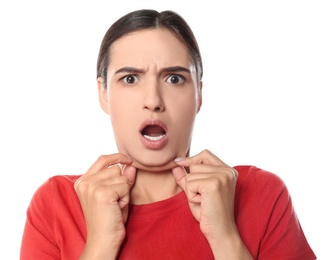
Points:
(154, 168)
(161, 160)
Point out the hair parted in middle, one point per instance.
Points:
(148, 19)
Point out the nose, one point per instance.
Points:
(153, 99)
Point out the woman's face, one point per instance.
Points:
(152, 97)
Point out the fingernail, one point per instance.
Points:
(179, 159)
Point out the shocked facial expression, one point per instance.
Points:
(152, 96)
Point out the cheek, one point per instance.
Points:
(187, 105)
(114, 106)
(119, 104)
(118, 111)
(120, 115)
(123, 113)
(184, 111)
(186, 121)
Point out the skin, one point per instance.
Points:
(150, 91)
(151, 96)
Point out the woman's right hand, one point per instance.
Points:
(104, 193)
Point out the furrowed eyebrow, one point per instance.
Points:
(175, 69)
(129, 70)
(136, 70)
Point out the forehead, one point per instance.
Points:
(159, 46)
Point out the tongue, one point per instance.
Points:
(153, 130)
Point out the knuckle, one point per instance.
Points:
(220, 183)
(102, 158)
(102, 194)
(205, 152)
(192, 168)
(216, 184)
(81, 184)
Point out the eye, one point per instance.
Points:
(175, 79)
(129, 79)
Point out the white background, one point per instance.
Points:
(265, 99)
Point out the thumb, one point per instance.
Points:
(179, 175)
(130, 172)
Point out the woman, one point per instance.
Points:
(151, 200)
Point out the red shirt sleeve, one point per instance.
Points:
(269, 210)
(55, 227)
(38, 240)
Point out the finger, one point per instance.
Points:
(105, 176)
(121, 166)
(179, 174)
(235, 173)
(205, 157)
(130, 173)
(205, 168)
(203, 171)
(107, 160)
(194, 191)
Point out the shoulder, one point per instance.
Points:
(261, 187)
(58, 182)
(260, 178)
(54, 188)
(266, 217)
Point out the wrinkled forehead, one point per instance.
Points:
(149, 45)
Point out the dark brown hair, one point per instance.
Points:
(146, 19)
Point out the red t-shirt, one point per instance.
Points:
(55, 226)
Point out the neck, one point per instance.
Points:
(153, 186)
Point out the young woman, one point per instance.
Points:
(152, 200)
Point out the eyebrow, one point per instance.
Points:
(167, 69)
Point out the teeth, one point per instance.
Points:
(154, 138)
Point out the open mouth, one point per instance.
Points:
(153, 132)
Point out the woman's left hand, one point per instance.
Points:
(209, 185)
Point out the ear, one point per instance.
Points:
(200, 96)
(102, 95)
